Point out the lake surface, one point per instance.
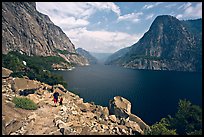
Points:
(153, 94)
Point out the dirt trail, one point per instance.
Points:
(42, 121)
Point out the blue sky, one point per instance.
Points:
(106, 27)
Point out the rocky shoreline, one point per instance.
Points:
(74, 117)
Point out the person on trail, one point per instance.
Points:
(60, 102)
(56, 94)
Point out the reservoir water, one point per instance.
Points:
(153, 94)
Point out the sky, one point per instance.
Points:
(106, 27)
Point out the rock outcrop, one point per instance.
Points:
(169, 44)
(73, 117)
(6, 72)
(121, 108)
(87, 55)
(30, 32)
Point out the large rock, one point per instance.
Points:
(6, 72)
(113, 118)
(135, 127)
(120, 107)
(141, 123)
(21, 84)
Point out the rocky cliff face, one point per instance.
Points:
(169, 44)
(28, 31)
(73, 117)
(87, 55)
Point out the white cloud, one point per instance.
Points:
(73, 18)
(149, 6)
(171, 5)
(74, 14)
(191, 12)
(70, 22)
(101, 41)
(134, 17)
(150, 16)
(185, 5)
(106, 6)
(76, 9)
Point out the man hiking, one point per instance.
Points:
(56, 94)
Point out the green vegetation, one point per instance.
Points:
(188, 118)
(25, 103)
(161, 128)
(64, 52)
(37, 67)
(187, 121)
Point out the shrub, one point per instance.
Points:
(187, 121)
(188, 118)
(161, 128)
(25, 103)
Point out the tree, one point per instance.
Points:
(161, 128)
(187, 121)
(188, 118)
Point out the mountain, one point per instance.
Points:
(30, 32)
(87, 55)
(101, 57)
(169, 44)
(117, 55)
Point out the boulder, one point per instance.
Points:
(6, 72)
(84, 107)
(22, 84)
(135, 127)
(120, 107)
(113, 118)
(40, 91)
(60, 87)
(102, 111)
(141, 123)
(59, 91)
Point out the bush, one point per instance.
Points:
(161, 128)
(25, 103)
(188, 118)
(187, 121)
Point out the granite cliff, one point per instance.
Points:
(169, 44)
(30, 32)
(87, 55)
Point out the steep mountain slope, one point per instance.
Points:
(169, 44)
(30, 32)
(87, 55)
(117, 55)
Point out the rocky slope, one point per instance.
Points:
(74, 117)
(169, 44)
(30, 32)
(87, 55)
